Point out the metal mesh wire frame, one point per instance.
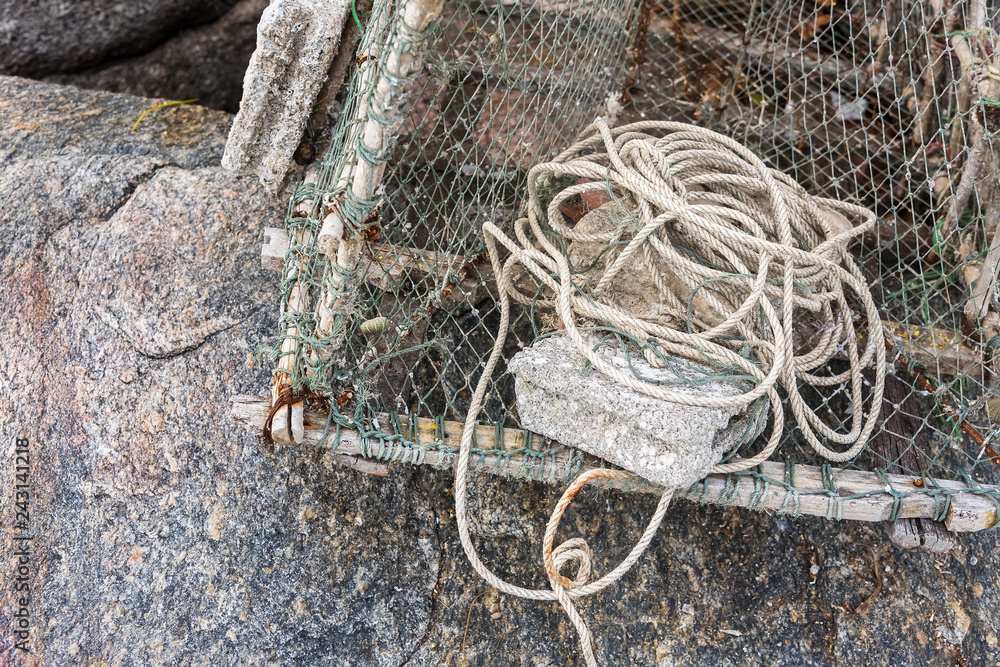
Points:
(889, 104)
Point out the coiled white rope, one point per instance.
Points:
(757, 251)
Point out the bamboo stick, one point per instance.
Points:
(883, 36)
(287, 423)
(943, 351)
(926, 108)
(385, 264)
(984, 287)
(967, 184)
(981, 85)
(375, 111)
(332, 229)
(967, 511)
(331, 232)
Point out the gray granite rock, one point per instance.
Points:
(130, 305)
(205, 62)
(43, 121)
(39, 37)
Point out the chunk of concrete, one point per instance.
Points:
(667, 443)
(297, 42)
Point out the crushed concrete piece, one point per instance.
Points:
(297, 42)
(667, 443)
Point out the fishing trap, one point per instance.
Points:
(391, 303)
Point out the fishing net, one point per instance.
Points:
(889, 105)
(886, 105)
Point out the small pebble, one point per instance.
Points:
(688, 609)
(973, 560)
(814, 570)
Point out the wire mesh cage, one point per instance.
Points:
(390, 304)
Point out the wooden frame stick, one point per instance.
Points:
(376, 110)
(331, 233)
(984, 286)
(980, 87)
(286, 426)
(385, 263)
(332, 230)
(967, 511)
(942, 351)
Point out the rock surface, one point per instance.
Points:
(131, 304)
(40, 37)
(668, 443)
(205, 62)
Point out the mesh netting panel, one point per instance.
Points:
(503, 87)
(888, 105)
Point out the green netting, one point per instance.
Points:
(890, 105)
(503, 87)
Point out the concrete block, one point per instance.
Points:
(667, 443)
(297, 41)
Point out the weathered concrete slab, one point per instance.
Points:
(296, 45)
(667, 443)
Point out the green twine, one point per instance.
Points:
(354, 13)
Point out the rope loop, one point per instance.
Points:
(574, 550)
(748, 275)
